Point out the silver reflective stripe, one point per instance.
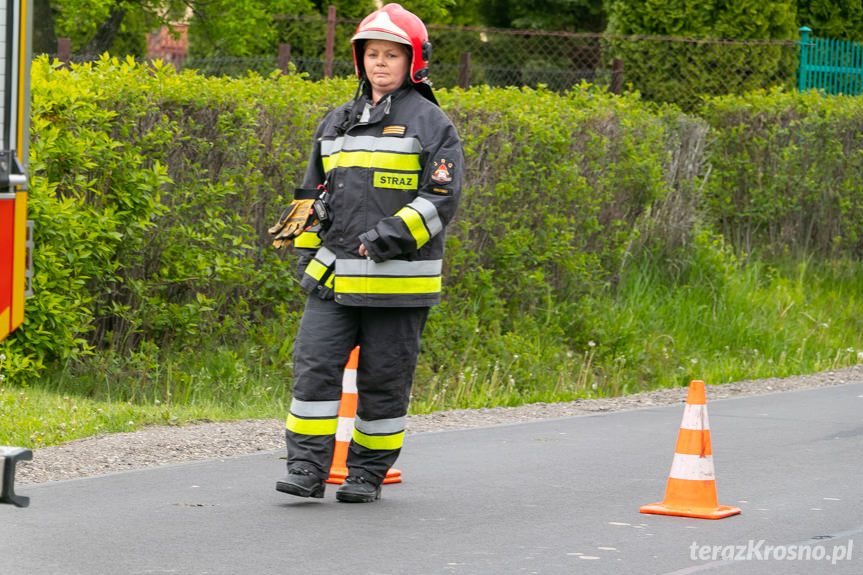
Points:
(370, 143)
(429, 214)
(330, 147)
(325, 256)
(380, 426)
(314, 408)
(399, 268)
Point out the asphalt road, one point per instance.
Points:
(552, 497)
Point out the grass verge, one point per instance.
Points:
(744, 322)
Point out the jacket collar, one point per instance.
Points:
(376, 110)
(365, 94)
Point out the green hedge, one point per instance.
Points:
(558, 194)
(152, 191)
(787, 171)
(736, 56)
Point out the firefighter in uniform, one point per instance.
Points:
(382, 182)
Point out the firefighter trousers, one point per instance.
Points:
(389, 340)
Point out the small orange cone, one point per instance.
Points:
(691, 489)
(345, 429)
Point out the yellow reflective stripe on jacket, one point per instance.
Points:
(381, 160)
(380, 442)
(430, 215)
(386, 285)
(316, 269)
(415, 224)
(422, 219)
(324, 258)
(361, 276)
(307, 240)
(302, 426)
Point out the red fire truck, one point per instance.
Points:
(16, 233)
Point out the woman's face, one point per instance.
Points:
(386, 65)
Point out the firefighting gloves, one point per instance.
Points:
(296, 218)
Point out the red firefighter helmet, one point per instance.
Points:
(394, 23)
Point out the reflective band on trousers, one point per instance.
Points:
(381, 434)
(379, 442)
(380, 426)
(302, 408)
(311, 426)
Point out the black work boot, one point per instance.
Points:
(359, 489)
(301, 482)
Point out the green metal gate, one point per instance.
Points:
(832, 66)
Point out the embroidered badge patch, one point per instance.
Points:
(441, 173)
(393, 131)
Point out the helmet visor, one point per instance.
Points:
(379, 35)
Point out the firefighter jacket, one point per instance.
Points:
(393, 171)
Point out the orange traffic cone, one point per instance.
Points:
(345, 429)
(691, 489)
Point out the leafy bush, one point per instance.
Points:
(151, 192)
(559, 191)
(786, 172)
(585, 258)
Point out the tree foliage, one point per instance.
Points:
(564, 15)
(255, 27)
(842, 19)
(739, 20)
(698, 67)
(96, 26)
(240, 28)
(216, 27)
(152, 191)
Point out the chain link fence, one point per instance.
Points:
(663, 69)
